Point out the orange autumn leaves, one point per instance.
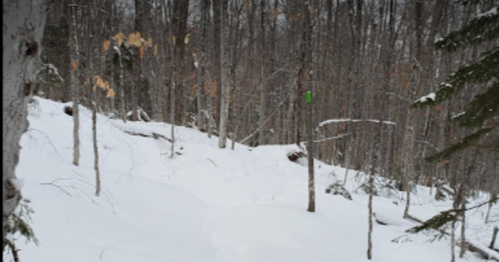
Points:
(97, 81)
(174, 39)
(133, 40)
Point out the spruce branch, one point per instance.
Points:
(469, 36)
(438, 222)
(461, 145)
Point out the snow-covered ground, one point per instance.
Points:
(206, 204)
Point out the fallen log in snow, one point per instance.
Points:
(153, 135)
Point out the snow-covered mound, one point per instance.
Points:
(205, 204)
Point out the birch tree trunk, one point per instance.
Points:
(23, 25)
(370, 214)
(93, 53)
(224, 76)
(408, 164)
(74, 63)
(310, 155)
(307, 79)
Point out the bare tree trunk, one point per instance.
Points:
(23, 25)
(291, 115)
(347, 163)
(135, 97)
(208, 109)
(199, 88)
(492, 196)
(494, 235)
(494, 192)
(172, 106)
(75, 63)
(138, 27)
(463, 230)
(408, 164)
(179, 24)
(224, 62)
(122, 89)
(370, 214)
(452, 241)
(307, 27)
(310, 155)
(92, 51)
(458, 201)
(96, 149)
(261, 120)
(200, 59)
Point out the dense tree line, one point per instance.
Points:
(241, 69)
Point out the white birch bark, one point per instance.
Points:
(224, 61)
(408, 165)
(74, 63)
(23, 25)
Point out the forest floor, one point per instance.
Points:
(207, 204)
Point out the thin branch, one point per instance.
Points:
(212, 162)
(343, 120)
(329, 138)
(400, 97)
(429, 144)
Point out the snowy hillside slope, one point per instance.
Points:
(206, 204)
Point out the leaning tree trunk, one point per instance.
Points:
(23, 24)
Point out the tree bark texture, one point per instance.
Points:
(180, 15)
(310, 155)
(224, 76)
(74, 63)
(261, 120)
(96, 148)
(23, 25)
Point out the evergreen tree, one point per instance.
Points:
(479, 114)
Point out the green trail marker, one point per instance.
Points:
(309, 97)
